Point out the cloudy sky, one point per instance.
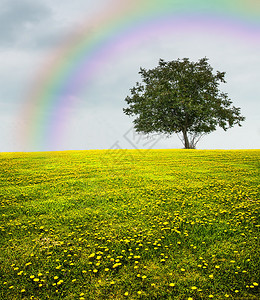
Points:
(32, 31)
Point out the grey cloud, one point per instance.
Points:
(18, 18)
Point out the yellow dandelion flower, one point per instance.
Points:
(92, 255)
(126, 293)
(193, 287)
(171, 284)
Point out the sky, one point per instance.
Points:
(66, 68)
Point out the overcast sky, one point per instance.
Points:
(31, 30)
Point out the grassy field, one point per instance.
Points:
(130, 224)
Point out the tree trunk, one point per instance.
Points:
(186, 139)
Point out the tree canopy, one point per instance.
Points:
(181, 97)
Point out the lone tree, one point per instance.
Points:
(181, 97)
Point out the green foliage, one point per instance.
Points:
(181, 97)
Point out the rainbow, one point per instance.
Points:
(120, 26)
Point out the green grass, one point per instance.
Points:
(130, 224)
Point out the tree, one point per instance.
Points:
(181, 97)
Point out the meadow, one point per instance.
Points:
(130, 224)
